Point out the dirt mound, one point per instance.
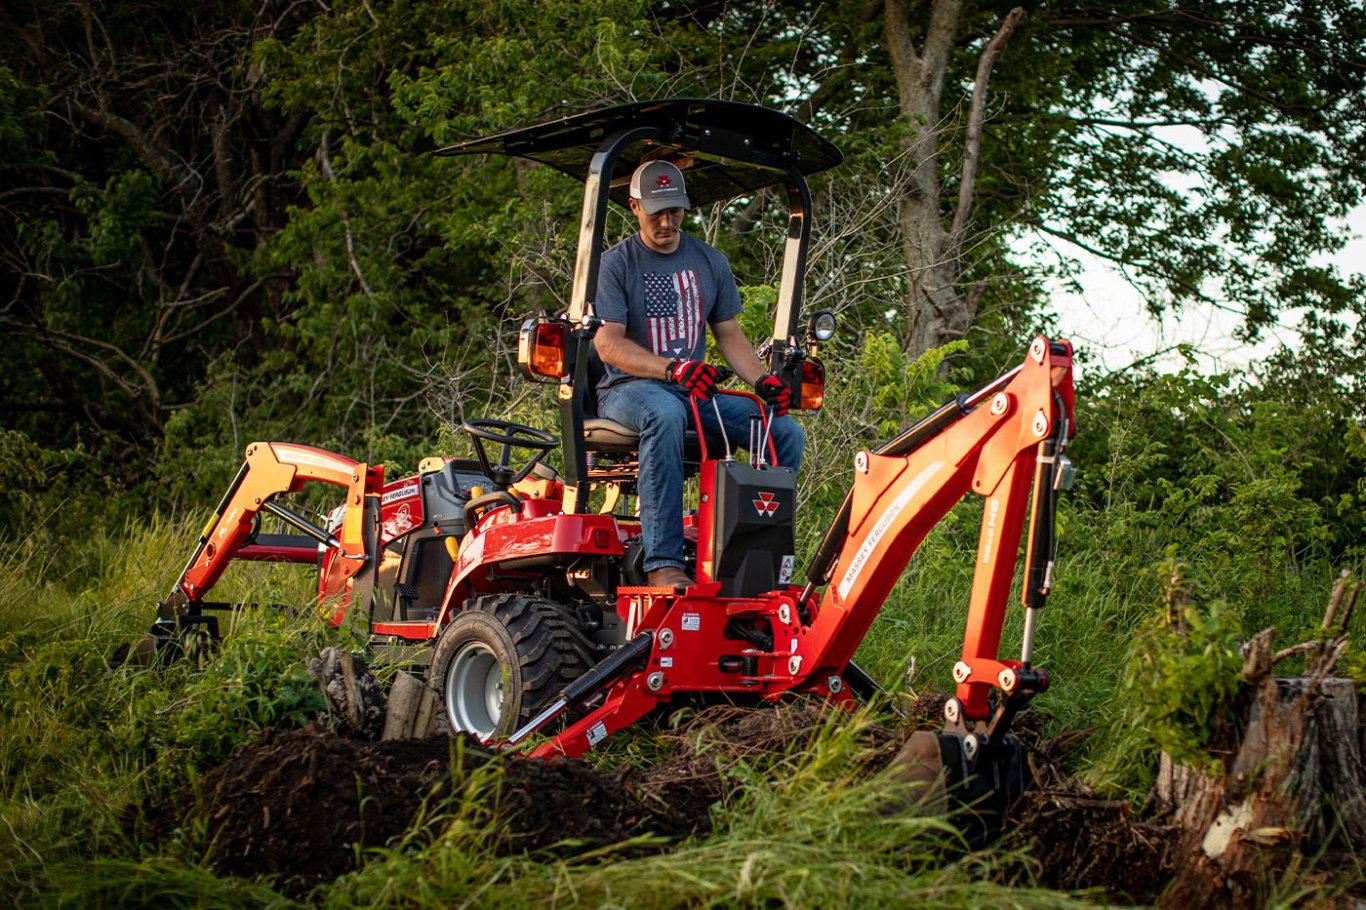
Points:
(701, 750)
(294, 802)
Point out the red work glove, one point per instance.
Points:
(773, 390)
(697, 376)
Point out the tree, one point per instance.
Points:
(138, 168)
(1208, 152)
(232, 213)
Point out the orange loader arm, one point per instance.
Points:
(272, 469)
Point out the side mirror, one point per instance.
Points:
(540, 348)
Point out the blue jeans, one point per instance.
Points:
(659, 412)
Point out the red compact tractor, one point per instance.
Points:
(528, 605)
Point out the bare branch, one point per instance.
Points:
(325, 161)
(160, 160)
(75, 346)
(972, 149)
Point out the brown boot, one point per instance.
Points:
(669, 577)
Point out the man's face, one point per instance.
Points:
(660, 231)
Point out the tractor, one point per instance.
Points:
(520, 588)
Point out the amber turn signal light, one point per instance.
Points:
(813, 385)
(540, 349)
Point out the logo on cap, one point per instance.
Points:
(663, 180)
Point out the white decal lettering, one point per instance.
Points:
(993, 506)
(884, 523)
(404, 492)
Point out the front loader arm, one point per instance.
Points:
(997, 444)
(272, 469)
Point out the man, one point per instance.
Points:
(657, 290)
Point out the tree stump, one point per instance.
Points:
(1293, 787)
(354, 696)
(412, 709)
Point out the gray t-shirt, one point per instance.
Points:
(665, 299)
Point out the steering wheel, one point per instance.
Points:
(510, 436)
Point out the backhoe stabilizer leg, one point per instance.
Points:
(625, 705)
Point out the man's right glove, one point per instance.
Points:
(697, 376)
(773, 390)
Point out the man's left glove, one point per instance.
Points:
(773, 390)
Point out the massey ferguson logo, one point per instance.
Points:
(663, 180)
(766, 504)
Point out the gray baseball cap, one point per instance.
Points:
(659, 185)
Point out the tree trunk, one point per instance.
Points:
(938, 311)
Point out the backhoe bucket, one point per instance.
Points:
(939, 777)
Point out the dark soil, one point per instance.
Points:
(295, 803)
(1077, 840)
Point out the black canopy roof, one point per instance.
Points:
(726, 148)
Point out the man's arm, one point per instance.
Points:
(621, 352)
(738, 352)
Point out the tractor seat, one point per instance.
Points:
(611, 438)
(607, 437)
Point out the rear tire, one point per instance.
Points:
(503, 659)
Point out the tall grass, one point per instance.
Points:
(85, 740)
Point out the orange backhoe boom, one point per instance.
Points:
(1013, 432)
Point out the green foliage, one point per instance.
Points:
(1228, 471)
(257, 678)
(32, 481)
(898, 389)
(1182, 671)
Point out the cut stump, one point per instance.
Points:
(412, 709)
(1294, 786)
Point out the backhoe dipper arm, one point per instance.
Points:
(996, 443)
(274, 468)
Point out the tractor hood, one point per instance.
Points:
(726, 148)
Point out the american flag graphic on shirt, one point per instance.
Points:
(673, 312)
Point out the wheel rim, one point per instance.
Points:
(474, 691)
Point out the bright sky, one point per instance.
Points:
(1108, 319)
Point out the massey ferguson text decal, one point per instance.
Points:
(883, 525)
(403, 492)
